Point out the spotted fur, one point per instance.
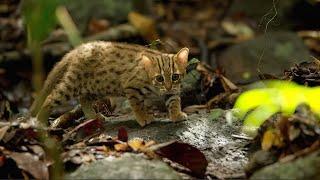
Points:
(98, 69)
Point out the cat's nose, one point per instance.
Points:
(168, 86)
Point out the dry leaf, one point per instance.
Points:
(3, 131)
(122, 134)
(144, 24)
(31, 164)
(293, 133)
(2, 160)
(136, 144)
(186, 155)
(150, 143)
(121, 147)
(227, 84)
(267, 140)
(271, 138)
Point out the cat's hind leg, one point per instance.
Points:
(59, 95)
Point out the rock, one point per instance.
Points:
(258, 10)
(81, 11)
(226, 155)
(278, 51)
(290, 14)
(301, 168)
(128, 166)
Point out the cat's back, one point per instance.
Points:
(111, 50)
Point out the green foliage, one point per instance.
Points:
(193, 61)
(39, 17)
(68, 25)
(257, 105)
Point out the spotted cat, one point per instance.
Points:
(107, 69)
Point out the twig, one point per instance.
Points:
(242, 137)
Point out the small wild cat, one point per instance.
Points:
(104, 69)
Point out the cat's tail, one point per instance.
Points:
(53, 79)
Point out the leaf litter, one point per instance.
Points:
(84, 144)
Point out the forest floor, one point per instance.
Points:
(232, 44)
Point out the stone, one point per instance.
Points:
(302, 168)
(128, 166)
(211, 135)
(81, 11)
(271, 53)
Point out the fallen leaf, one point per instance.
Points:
(85, 129)
(136, 144)
(38, 150)
(271, 138)
(293, 133)
(239, 29)
(186, 155)
(121, 147)
(98, 25)
(31, 164)
(145, 25)
(2, 160)
(228, 86)
(267, 140)
(87, 158)
(3, 131)
(122, 134)
(150, 143)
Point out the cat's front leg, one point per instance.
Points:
(137, 105)
(173, 104)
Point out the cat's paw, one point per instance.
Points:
(145, 120)
(179, 117)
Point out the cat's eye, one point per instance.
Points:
(159, 78)
(175, 77)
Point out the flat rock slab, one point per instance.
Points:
(302, 168)
(128, 166)
(227, 155)
(271, 53)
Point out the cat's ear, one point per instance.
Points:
(182, 57)
(146, 62)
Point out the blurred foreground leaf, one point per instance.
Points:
(39, 17)
(68, 25)
(257, 105)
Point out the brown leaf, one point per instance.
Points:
(121, 147)
(85, 129)
(2, 160)
(293, 133)
(98, 25)
(136, 144)
(3, 131)
(150, 143)
(122, 134)
(144, 24)
(267, 140)
(228, 86)
(186, 155)
(31, 164)
(271, 138)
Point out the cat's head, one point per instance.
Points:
(166, 71)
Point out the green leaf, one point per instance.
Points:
(39, 17)
(255, 118)
(193, 61)
(257, 105)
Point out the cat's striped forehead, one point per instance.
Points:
(165, 63)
